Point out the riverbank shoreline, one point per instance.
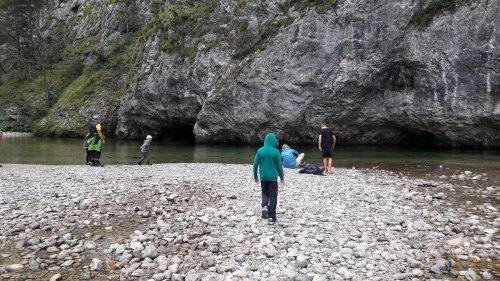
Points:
(192, 221)
(16, 134)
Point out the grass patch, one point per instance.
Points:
(240, 4)
(182, 28)
(250, 45)
(425, 16)
(320, 6)
(183, 22)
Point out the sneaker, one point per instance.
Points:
(272, 221)
(264, 212)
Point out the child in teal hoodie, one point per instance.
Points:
(268, 158)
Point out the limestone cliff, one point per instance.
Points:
(231, 71)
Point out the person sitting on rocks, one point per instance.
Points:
(290, 157)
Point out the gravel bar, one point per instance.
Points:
(202, 222)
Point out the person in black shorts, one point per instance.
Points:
(326, 143)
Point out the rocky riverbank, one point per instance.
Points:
(202, 222)
(17, 134)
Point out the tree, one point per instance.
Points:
(130, 17)
(22, 31)
(261, 10)
(156, 8)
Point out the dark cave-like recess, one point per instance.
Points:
(177, 133)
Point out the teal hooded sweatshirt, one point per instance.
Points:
(268, 158)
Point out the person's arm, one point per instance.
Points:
(101, 136)
(280, 170)
(255, 167)
(319, 142)
(334, 140)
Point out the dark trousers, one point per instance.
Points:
(88, 158)
(270, 196)
(145, 156)
(96, 155)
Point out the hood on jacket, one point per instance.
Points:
(271, 140)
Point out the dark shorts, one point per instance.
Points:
(327, 150)
(95, 154)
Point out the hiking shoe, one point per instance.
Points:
(272, 221)
(264, 212)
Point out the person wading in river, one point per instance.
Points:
(95, 141)
(326, 143)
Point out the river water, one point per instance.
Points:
(414, 162)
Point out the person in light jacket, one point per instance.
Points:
(290, 157)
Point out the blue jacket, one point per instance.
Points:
(287, 155)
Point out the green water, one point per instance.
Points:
(61, 151)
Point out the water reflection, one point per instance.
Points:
(224, 153)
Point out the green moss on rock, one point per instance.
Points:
(425, 16)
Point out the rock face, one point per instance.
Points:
(361, 67)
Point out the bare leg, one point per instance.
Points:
(299, 159)
(330, 165)
(325, 167)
